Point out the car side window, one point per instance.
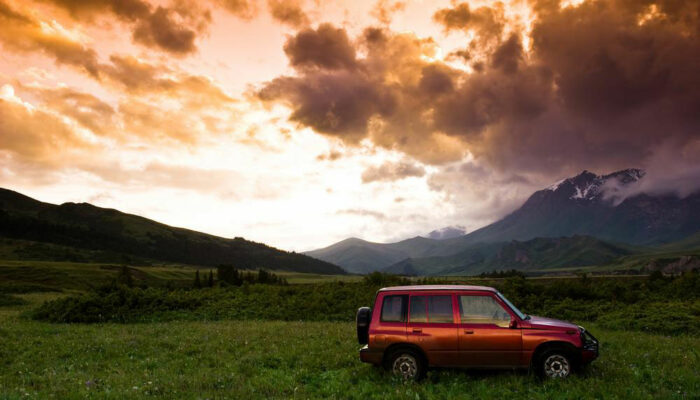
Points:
(433, 309)
(482, 310)
(394, 308)
(418, 312)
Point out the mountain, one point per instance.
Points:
(587, 205)
(447, 232)
(360, 256)
(30, 229)
(581, 206)
(574, 251)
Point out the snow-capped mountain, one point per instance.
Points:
(609, 208)
(447, 232)
(604, 206)
(589, 186)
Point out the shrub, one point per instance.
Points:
(9, 300)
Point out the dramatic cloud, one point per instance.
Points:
(241, 8)
(288, 12)
(601, 85)
(34, 134)
(388, 95)
(86, 109)
(436, 115)
(23, 33)
(392, 171)
(326, 47)
(487, 22)
(172, 29)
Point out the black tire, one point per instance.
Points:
(407, 364)
(363, 318)
(555, 363)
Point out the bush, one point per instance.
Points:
(671, 318)
(9, 300)
(667, 306)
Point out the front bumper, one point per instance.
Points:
(368, 356)
(591, 346)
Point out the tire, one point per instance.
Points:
(363, 318)
(407, 365)
(555, 363)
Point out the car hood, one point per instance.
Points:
(549, 323)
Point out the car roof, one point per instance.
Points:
(437, 287)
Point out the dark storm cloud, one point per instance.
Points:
(385, 95)
(171, 29)
(488, 22)
(603, 86)
(325, 47)
(334, 102)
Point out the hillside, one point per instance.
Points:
(539, 253)
(360, 256)
(582, 206)
(586, 205)
(32, 230)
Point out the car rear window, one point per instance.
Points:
(434, 309)
(394, 308)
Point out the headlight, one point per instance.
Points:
(589, 341)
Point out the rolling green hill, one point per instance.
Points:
(526, 255)
(32, 230)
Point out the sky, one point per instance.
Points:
(301, 123)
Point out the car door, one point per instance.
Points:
(485, 336)
(432, 326)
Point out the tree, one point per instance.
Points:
(197, 282)
(210, 281)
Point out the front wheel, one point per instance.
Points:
(407, 365)
(555, 363)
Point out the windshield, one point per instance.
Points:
(512, 307)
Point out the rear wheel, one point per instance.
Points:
(407, 365)
(555, 363)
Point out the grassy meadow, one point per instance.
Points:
(165, 339)
(276, 359)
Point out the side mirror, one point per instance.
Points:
(513, 324)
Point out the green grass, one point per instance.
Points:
(301, 277)
(83, 276)
(249, 360)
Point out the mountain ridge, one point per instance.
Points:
(84, 231)
(586, 205)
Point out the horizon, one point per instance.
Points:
(299, 124)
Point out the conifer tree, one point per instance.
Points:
(197, 282)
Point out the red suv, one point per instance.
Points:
(417, 327)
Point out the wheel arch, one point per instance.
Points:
(570, 349)
(389, 351)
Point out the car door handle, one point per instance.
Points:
(417, 330)
(468, 331)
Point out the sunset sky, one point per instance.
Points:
(301, 123)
